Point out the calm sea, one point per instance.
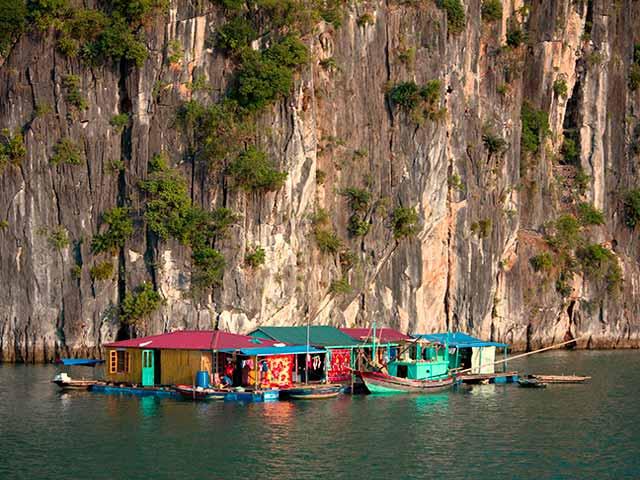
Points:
(564, 431)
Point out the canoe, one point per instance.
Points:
(65, 382)
(378, 382)
(189, 392)
(530, 382)
(561, 378)
(312, 392)
(89, 362)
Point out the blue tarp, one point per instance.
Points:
(458, 340)
(284, 350)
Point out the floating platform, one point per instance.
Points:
(166, 392)
(498, 377)
(561, 378)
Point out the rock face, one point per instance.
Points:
(481, 213)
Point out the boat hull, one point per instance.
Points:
(377, 383)
(312, 392)
(75, 384)
(204, 394)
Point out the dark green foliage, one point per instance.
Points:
(252, 171)
(515, 36)
(359, 199)
(560, 88)
(119, 229)
(235, 35)
(358, 227)
(321, 176)
(491, 10)
(80, 30)
(582, 180)
(102, 271)
(58, 238)
(216, 132)
(266, 76)
(341, 287)
(208, 268)
(600, 263)
(327, 240)
(140, 303)
(632, 208)
(67, 152)
(456, 20)
(13, 16)
(535, 127)
(120, 121)
(12, 149)
(563, 287)
(570, 150)
(589, 215)
(117, 42)
(493, 143)
(404, 222)
(567, 233)
(634, 69)
(415, 99)
(73, 95)
(255, 257)
(542, 262)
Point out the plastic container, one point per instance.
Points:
(202, 379)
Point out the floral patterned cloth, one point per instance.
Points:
(339, 370)
(279, 371)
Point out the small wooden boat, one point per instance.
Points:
(530, 382)
(561, 378)
(378, 382)
(312, 392)
(65, 382)
(85, 362)
(189, 392)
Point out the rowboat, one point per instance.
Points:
(378, 382)
(65, 382)
(85, 362)
(531, 382)
(190, 392)
(561, 378)
(312, 392)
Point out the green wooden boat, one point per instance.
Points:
(421, 368)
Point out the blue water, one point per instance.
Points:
(564, 431)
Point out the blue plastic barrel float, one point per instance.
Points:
(202, 379)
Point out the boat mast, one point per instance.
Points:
(374, 355)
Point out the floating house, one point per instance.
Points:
(179, 357)
(467, 352)
(333, 360)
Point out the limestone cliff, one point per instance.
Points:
(486, 205)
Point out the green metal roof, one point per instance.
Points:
(321, 335)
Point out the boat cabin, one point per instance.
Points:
(467, 352)
(421, 360)
(376, 346)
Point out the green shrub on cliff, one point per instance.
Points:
(404, 222)
(73, 95)
(542, 262)
(419, 101)
(255, 257)
(252, 171)
(12, 148)
(236, 34)
(102, 271)
(140, 303)
(67, 152)
(491, 10)
(208, 268)
(632, 208)
(590, 215)
(13, 16)
(535, 127)
(600, 263)
(456, 20)
(119, 229)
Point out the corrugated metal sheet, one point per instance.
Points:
(193, 340)
(458, 340)
(383, 335)
(320, 335)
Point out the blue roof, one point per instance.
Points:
(284, 350)
(458, 340)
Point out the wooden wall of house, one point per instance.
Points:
(180, 366)
(134, 375)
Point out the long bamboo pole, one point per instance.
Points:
(527, 354)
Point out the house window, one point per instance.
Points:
(119, 361)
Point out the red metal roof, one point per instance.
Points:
(194, 340)
(384, 334)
